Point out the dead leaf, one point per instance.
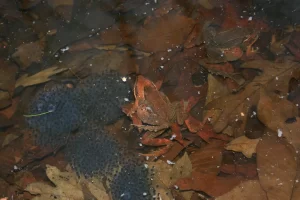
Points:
(67, 186)
(273, 111)
(247, 190)
(158, 35)
(97, 189)
(5, 99)
(166, 174)
(208, 4)
(277, 166)
(8, 73)
(208, 159)
(234, 107)
(40, 77)
(28, 53)
(208, 183)
(10, 137)
(243, 144)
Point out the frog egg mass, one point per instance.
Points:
(75, 117)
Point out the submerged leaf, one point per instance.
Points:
(243, 144)
(234, 107)
(277, 166)
(247, 190)
(40, 77)
(67, 186)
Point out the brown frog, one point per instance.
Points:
(228, 45)
(152, 111)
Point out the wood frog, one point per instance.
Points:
(227, 45)
(152, 111)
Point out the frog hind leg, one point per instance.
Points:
(149, 139)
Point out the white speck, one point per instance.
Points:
(145, 194)
(297, 181)
(276, 78)
(173, 137)
(124, 79)
(65, 49)
(146, 166)
(162, 58)
(170, 162)
(155, 1)
(126, 99)
(280, 183)
(242, 114)
(248, 99)
(91, 65)
(250, 18)
(147, 157)
(140, 144)
(169, 50)
(198, 92)
(279, 132)
(176, 187)
(209, 119)
(15, 167)
(162, 67)
(122, 195)
(254, 113)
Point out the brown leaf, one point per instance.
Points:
(247, 170)
(40, 77)
(277, 166)
(208, 159)
(166, 174)
(273, 112)
(208, 183)
(247, 190)
(164, 33)
(232, 106)
(67, 186)
(243, 144)
(97, 189)
(8, 73)
(28, 53)
(10, 137)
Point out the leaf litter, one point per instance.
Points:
(215, 152)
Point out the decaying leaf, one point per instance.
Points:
(165, 174)
(158, 35)
(243, 144)
(97, 189)
(10, 137)
(8, 73)
(40, 77)
(28, 53)
(234, 107)
(208, 159)
(67, 186)
(273, 111)
(247, 190)
(277, 166)
(210, 184)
